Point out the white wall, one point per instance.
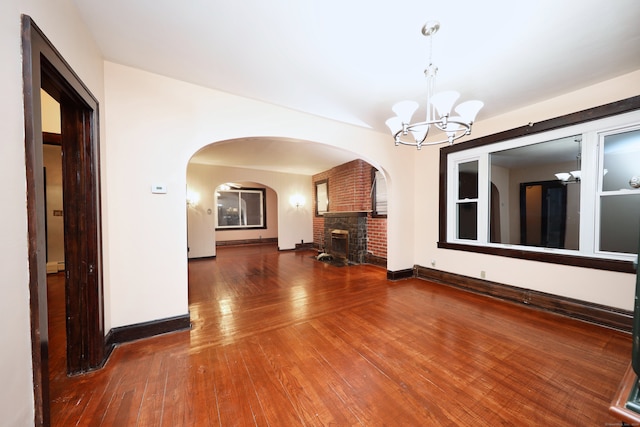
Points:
(603, 287)
(60, 22)
(293, 225)
(155, 124)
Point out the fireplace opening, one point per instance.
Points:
(340, 244)
(345, 236)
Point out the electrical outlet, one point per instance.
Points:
(483, 274)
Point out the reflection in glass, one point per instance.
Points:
(619, 199)
(240, 208)
(467, 206)
(620, 223)
(228, 210)
(543, 214)
(621, 160)
(468, 180)
(251, 204)
(322, 197)
(467, 222)
(550, 219)
(379, 194)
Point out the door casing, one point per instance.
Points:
(44, 67)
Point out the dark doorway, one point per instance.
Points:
(44, 67)
(543, 214)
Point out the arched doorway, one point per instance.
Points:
(289, 167)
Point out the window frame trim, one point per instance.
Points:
(608, 110)
(374, 196)
(316, 184)
(263, 192)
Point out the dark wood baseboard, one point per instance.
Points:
(202, 258)
(375, 260)
(603, 315)
(400, 274)
(149, 329)
(247, 242)
(304, 246)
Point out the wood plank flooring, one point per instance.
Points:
(280, 339)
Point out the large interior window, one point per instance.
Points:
(241, 208)
(568, 192)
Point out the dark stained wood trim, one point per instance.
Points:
(149, 329)
(400, 274)
(37, 268)
(304, 246)
(618, 406)
(202, 258)
(243, 242)
(375, 260)
(610, 317)
(596, 113)
(51, 138)
(79, 112)
(44, 67)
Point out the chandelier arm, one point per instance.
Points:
(456, 135)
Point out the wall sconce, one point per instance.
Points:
(193, 197)
(296, 200)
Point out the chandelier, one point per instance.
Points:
(438, 116)
(574, 175)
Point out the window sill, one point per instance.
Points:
(573, 260)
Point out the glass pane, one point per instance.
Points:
(322, 198)
(467, 221)
(251, 209)
(620, 223)
(511, 212)
(228, 212)
(380, 207)
(621, 160)
(468, 180)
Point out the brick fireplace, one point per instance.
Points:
(345, 235)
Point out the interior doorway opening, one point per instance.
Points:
(44, 68)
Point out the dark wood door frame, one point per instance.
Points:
(44, 67)
(552, 214)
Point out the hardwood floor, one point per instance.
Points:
(281, 339)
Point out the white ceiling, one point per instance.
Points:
(350, 60)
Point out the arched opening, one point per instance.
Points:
(289, 167)
(226, 213)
